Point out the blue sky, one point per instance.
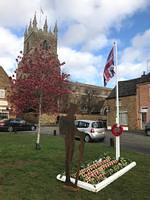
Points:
(87, 30)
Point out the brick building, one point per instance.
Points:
(134, 103)
(4, 89)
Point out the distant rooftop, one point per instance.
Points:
(90, 85)
(128, 88)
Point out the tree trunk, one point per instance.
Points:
(39, 124)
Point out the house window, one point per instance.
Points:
(123, 118)
(3, 116)
(2, 93)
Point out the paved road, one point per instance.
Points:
(137, 142)
(132, 141)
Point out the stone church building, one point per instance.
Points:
(94, 102)
(90, 98)
(34, 35)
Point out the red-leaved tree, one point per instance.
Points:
(39, 84)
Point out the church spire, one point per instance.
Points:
(34, 22)
(30, 26)
(25, 32)
(34, 35)
(45, 25)
(50, 29)
(55, 29)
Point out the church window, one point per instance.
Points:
(45, 45)
(27, 46)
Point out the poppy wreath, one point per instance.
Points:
(116, 130)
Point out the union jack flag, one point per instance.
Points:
(109, 67)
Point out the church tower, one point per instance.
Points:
(34, 35)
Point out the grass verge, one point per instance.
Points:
(29, 174)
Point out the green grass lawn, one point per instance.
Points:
(29, 174)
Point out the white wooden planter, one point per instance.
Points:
(102, 184)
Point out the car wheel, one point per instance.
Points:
(10, 129)
(148, 132)
(33, 128)
(87, 138)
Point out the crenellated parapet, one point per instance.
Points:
(34, 35)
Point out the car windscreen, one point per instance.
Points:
(97, 125)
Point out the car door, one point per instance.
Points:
(14, 124)
(18, 124)
(23, 125)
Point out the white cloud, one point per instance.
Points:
(82, 66)
(76, 34)
(87, 26)
(10, 45)
(96, 17)
(135, 57)
(97, 43)
(130, 70)
(139, 51)
(88, 19)
(15, 13)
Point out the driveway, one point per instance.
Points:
(138, 142)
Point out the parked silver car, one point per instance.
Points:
(94, 130)
(147, 128)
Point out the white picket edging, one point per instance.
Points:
(102, 184)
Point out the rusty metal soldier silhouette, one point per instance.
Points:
(68, 129)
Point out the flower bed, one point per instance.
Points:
(99, 170)
(98, 174)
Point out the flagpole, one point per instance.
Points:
(117, 103)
